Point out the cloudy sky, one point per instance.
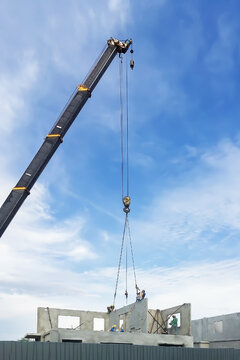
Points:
(62, 248)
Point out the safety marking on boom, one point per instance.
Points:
(55, 135)
(82, 87)
(22, 188)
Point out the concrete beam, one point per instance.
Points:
(101, 337)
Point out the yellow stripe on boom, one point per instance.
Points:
(83, 88)
(22, 188)
(54, 135)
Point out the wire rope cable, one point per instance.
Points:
(126, 275)
(121, 120)
(133, 262)
(124, 127)
(120, 260)
(127, 165)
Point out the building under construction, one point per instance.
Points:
(139, 326)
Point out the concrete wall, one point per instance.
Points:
(220, 331)
(59, 335)
(134, 317)
(162, 317)
(48, 318)
(135, 324)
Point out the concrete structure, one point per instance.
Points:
(158, 320)
(141, 326)
(133, 317)
(48, 318)
(103, 337)
(217, 332)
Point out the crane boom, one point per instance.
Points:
(22, 189)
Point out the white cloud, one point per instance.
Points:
(38, 253)
(14, 86)
(206, 203)
(41, 256)
(221, 54)
(74, 42)
(212, 288)
(170, 97)
(143, 160)
(36, 240)
(120, 9)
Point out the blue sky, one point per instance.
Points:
(62, 248)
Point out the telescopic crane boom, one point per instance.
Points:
(22, 189)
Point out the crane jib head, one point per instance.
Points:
(121, 45)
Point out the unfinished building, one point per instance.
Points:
(222, 331)
(140, 326)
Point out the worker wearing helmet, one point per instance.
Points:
(174, 324)
(113, 328)
(110, 308)
(142, 294)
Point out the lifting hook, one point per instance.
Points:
(131, 61)
(126, 202)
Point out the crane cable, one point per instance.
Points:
(119, 264)
(126, 229)
(126, 199)
(122, 128)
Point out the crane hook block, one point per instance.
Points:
(126, 202)
(132, 64)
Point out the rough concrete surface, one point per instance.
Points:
(59, 335)
(220, 331)
(134, 317)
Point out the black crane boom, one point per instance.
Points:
(22, 189)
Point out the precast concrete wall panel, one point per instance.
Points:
(13, 350)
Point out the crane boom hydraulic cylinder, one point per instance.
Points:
(55, 136)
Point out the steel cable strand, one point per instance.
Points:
(131, 247)
(126, 292)
(127, 125)
(120, 259)
(121, 122)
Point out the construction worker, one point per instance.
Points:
(174, 325)
(142, 294)
(113, 328)
(138, 297)
(110, 308)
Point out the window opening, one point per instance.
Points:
(218, 327)
(178, 316)
(98, 324)
(68, 322)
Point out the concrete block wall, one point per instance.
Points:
(47, 319)
(134, 317)
(135, 323)
(220, 331)
(162, 317)
(102, 337)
